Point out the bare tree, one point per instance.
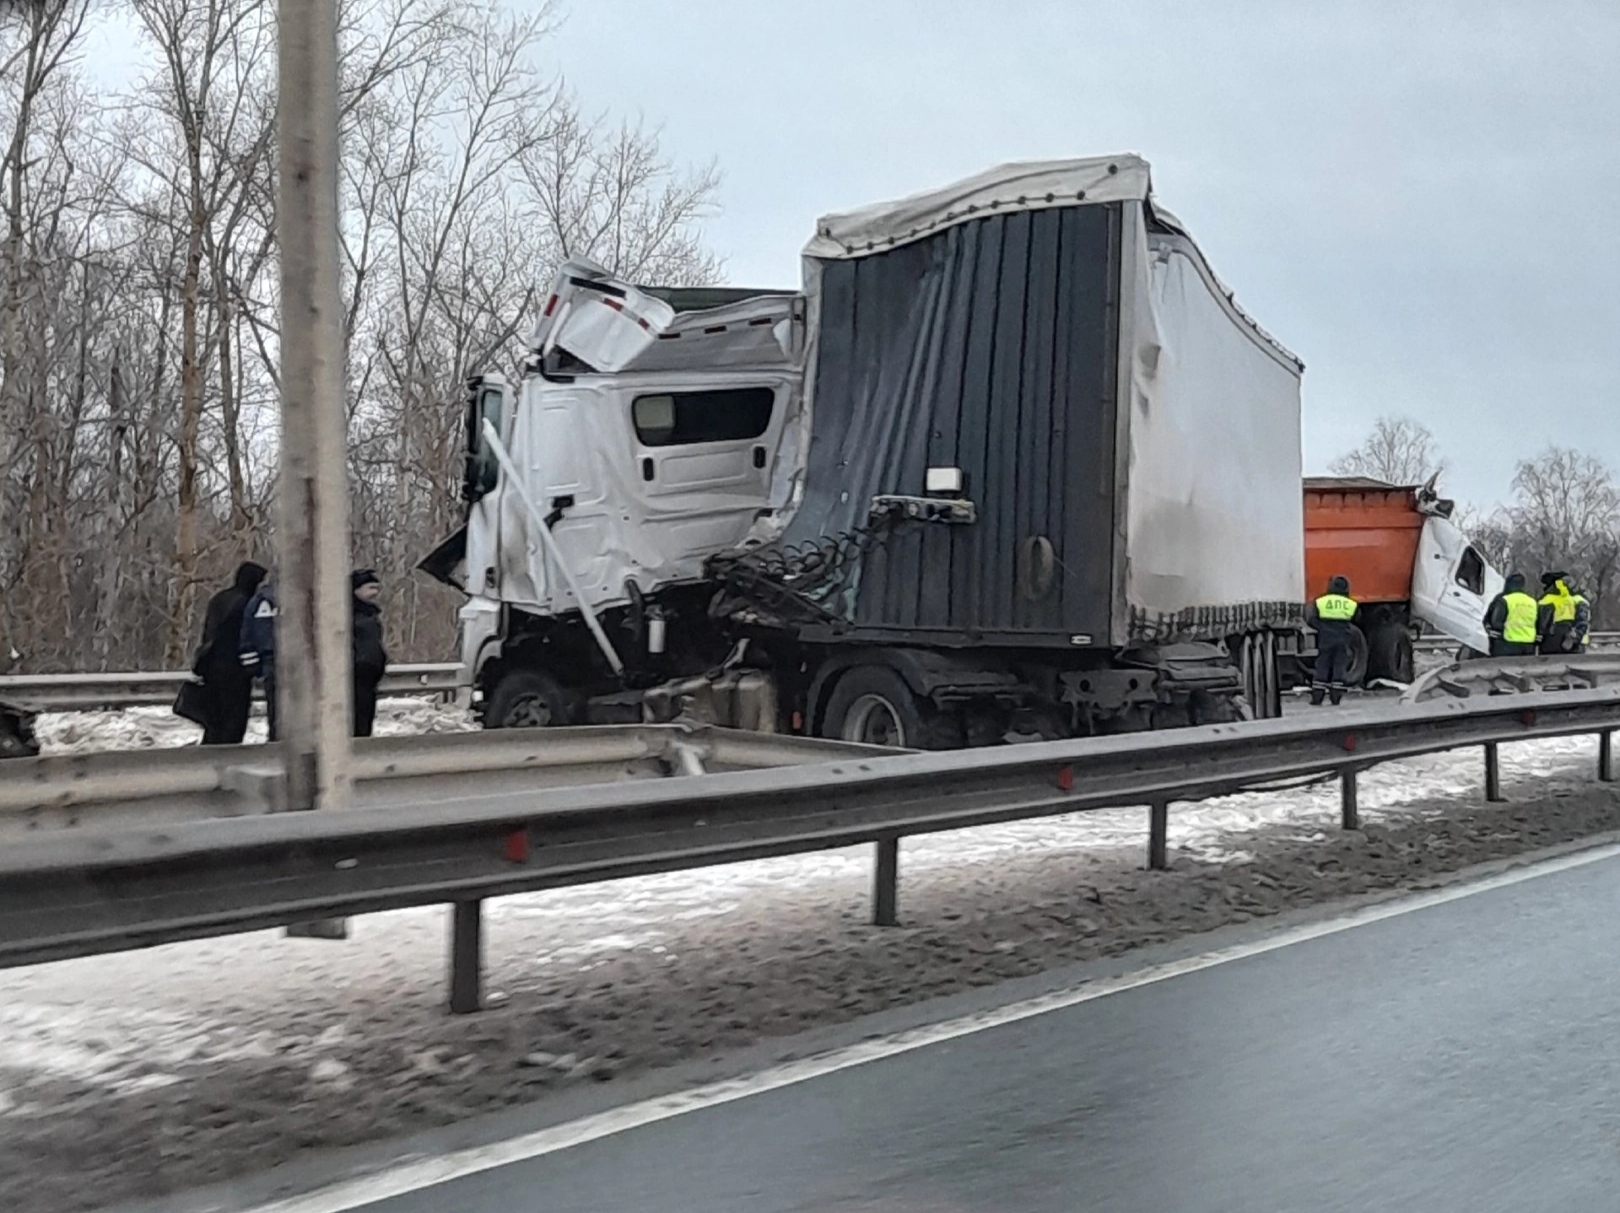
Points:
(138, 335)
(1566, 518)
(1398, 451)
(611, 195)
(214, 86)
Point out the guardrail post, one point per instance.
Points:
(466, 957)
(886, 884)
(1606, 756)
(1493, 773)
(1158, 835)
(1350, 809)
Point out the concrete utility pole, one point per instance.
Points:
(312, 506)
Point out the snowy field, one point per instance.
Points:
(205, 1038)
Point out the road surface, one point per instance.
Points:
(1462, 1057)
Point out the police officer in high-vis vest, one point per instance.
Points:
(1512, 620)
(1565, 619)
(1333, 618)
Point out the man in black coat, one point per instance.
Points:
(370, 658)
(227, 687)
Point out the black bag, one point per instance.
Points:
(192, 703)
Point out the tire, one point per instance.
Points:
(873, 705)
(1357, 674)
(1255, 655)
(527, 699)
(1389, 653)
(1271, 675)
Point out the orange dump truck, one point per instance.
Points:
(1409, 566)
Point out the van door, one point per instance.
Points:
(1452, 584)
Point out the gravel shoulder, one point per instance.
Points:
(138, 1075)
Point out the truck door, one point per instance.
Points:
(562, 456)
(703, 463)
(1452, 584)
(489, 398)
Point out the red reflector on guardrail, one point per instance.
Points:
(1349, 741)
(1528, 716)
(517, 845)
(1065, 779)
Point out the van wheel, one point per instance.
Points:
(1389, 653)
(873, 705)
(527, 699)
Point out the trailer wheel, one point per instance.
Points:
(527, 699)
(873, 704)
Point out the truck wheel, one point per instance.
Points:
(873, 704)
(527, 699)
(1389, 653)
(1357, 674)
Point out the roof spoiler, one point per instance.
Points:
(1431, 503)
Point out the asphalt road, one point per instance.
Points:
(1464, 1057)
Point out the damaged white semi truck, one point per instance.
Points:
(1011, 462)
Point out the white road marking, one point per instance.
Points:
(414, 1174)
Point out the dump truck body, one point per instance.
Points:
(1409, 565)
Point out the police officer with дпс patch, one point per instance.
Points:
(1332, 617)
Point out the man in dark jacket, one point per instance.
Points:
(370, 658)
(1333, 618)
(257, 650)
(1513, 620)
(227, 687)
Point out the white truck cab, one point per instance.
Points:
(1452, 584)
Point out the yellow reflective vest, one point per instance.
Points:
(1562, 602)
(1337, 607)
(1520, 627)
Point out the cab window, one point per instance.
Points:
(485, 402)
(1471, 572)
(685, 418)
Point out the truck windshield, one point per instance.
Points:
(683, 418)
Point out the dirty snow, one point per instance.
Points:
(209, 1046)
(156, 728)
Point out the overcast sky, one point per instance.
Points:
(1414, 197)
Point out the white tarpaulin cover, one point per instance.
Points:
(1214, 513)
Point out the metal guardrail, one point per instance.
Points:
(75, 893)
(164, 788)
(1516, 675)
(85, 692)
(1445, 644)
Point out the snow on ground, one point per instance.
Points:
(136, 1021)
(135, 1075)
(156, 728)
